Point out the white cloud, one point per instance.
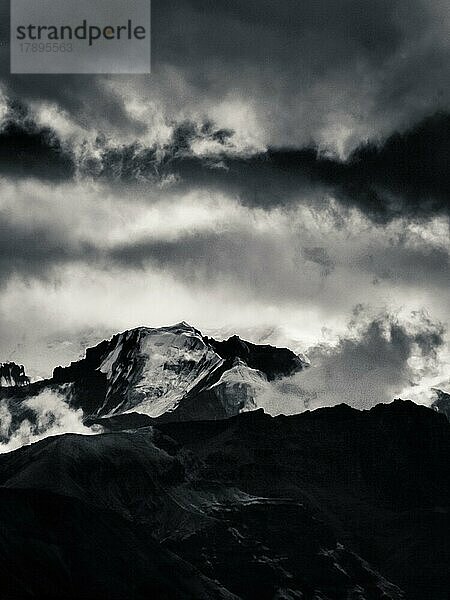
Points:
(51, 416)
(378, 359)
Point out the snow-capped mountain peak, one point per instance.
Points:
(238, 388)
(169, 373)
(159, 367)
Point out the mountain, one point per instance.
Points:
(190, 491)
(54, 546)
(12, 375)
(442, 403)
(334, 504)
(170, 373)
(274, 335)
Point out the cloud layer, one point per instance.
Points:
(282, 164)
(38, 418)
(331, 73)
(27, 150)
(405, 176)
(374, 362)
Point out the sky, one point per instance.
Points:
(281, 174)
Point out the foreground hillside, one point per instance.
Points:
(330, 505)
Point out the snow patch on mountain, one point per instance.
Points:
(172, 373)
(162, 367)
(442, 402)
(239, 387)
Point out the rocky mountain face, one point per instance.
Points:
(12, 375)
(170, 373)
(336, 504)
(442, 403)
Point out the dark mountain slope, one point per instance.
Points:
(379, 478)
(442, 403)
(329, 505)
(274, 362)
(54, 547)
(12, 375)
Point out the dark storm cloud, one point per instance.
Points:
(243, 258)
(27, 150)
(135, 162)
(374, 67)
(301, 65)
(406, 175)
(259, 31)
(370, 364)
(84, 97)
(426, 266)
(319, 256)
(279, 52)
(32, 251)
(284, 263)
(279, 266)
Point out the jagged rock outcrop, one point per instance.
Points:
(442, 403)
(13, 375)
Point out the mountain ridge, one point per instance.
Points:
(442, 402)
(13, 375)
(168, 372)
(330, 504)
